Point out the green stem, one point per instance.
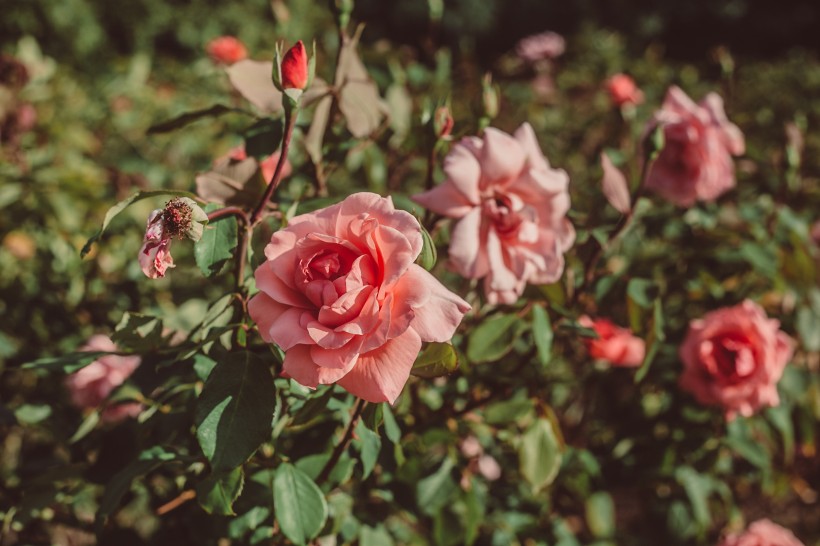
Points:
(290, 121)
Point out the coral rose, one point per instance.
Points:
(614, 344)
(623, 91)
(511, 207)
(733, 358)
(763, 533)
(696, 160)
(90, 386)
(226, 50)
(295, 70)
(340, 294)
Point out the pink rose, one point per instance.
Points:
(340, 294)
(733, 358)
(546, 45)
(763, 533)
(696, 160)
(511, 207)
(622, 90)
(226, 50)
(90, 386)
(614, 344)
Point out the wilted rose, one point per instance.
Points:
(616, 345)
(733, 358)
(340, 294)
(699, 142)
(763, 532)
(623, 91)
(511, 206)
(226, 50)
(181, 217)
(91, 385)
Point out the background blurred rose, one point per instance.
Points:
(91, 385)
(696, 160)
(546, 45)
(226, 50)
(763, 533)
(734, 357)
(622, 90)
(340, 294)
(511, 206)
(614, 344)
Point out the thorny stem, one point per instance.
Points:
(290, 122)
(226, 212)
(342, 445)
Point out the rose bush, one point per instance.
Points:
(734, 357)
(340, 294)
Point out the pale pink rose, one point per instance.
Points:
(511, 206)
(489, 468)
(340, 294)
(155, 254)
(622, 90)
(90, 386)
(696, 160)
(733, 358)
(616, 345)
(267, 165)
(546, 45)
(226, 50)
(763, 532)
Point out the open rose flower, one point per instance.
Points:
(696, 160)
(763, 533)
(181, 217)
(340, 294)
(733, 358)
(90, 386)
(226, 50)
(511, 206)
(614, 344)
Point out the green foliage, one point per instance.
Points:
(301, 509)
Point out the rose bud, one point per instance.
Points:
(623, 91)
(443, 122)
(294, 67)
(226, 50)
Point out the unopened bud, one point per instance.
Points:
(489, 96)
(294, 67)
(443, 122)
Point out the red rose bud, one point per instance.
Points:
(226, 50)
(442, 122)
(295, 67)
(622, 90)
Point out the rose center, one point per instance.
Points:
(734, 359)
(499, 209)
(326, 264)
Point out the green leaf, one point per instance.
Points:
(89, 423)
(189, 117)
(217, 493)
(539, 454)
(542, 334)
(638, 290)
(371, 444)
(139, 332)
(217, 245)
(301, 509)
(203, 366)
(374, 536)
(508, 411)
(69, 363)
(435, 360)
(697, 488)
(391, 427)
(434, 491)
(600, 513)
(493, 338)
(428, 255)
(235, 409)
(253, 519)
(654, 341)
(124, 204)
(120, 483)
(31, 414)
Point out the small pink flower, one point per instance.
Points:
(340, 294)
(511, 207)
(696, 160)
(733, 358)
(763, 532)
(90, 386)
(295, 67)
(546, 45)
(226, 50)
(616, 345)
(622, 90)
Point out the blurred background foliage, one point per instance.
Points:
(641, 464)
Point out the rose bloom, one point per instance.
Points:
(546, 45)
(340, 294)
(763, 533)
(733, 358)
(226, 50)
(90, 386)
(622, 90)
(511, 207)
(614, 344)
(696, 160)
